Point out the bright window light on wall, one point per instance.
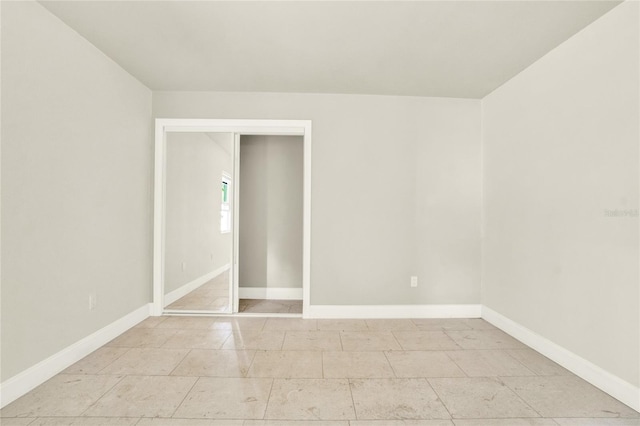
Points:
(225, 210)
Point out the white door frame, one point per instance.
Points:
(238, 127)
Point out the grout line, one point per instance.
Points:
(397, 341)
(284, 338)
(386, 355)
(253, 359)
(456, 364)
(353, 402)
(104, 393)
(185, 396)
(180, 362)
(266, 406)
(517, 394)
(505, 351)
(103, 368)
(439, 398)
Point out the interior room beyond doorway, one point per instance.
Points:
(270, 223)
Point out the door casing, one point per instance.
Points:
(238, 127)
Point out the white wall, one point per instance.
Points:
(448, 199)
(560, 149)
(271, 176)
(76, 188)
(195, 164)
(375, 199)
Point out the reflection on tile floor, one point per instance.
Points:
(226, 371)
(214, 296)
(211, 296)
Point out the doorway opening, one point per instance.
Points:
(270, 226)
(272, 280)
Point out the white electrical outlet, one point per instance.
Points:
(93, 301)
(414, 281)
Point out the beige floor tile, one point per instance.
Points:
(64, 395)
(254, 339)
(484, 339)
(480, 398)
(436, 324)
(142, 338)
(84, 421)
(424, 340)
(401, 423)
(310, 399)
(396, 399)
(290, 324)
(567, 396)
(96, 361)
(510, 381)
(158, 421)
(342, 325)
(391, 325)
(16, 421)
(270, 306)
(151, 322)
(368, 341)
(143, 396)
(423, 364)
(215, 363)
(296, 309)
(538, 363)
(357, 365)
(479, 324)
(226, 398)
(146, 361)
(598, 422)
(182, 323)
(296, 423)
(198, 339)
(489, 362)
(505, 422)
(287, 364)
(312, 341)
(239, 323)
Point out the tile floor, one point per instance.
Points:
(214, 296)
(250, 371)
(270, 306)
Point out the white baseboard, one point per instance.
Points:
(393, 311)
(20, 384)
(178, 293)
(273, 293)
(609, 383)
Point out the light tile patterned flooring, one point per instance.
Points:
(270, 306)
(250, 371)
(214, 296)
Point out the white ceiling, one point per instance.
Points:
(430, 48)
